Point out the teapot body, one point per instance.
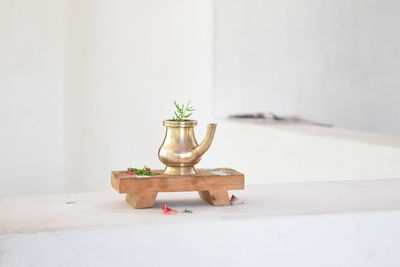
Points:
(180, 150)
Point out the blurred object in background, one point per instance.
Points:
(270, 117)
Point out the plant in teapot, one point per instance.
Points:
(180, 150)
(182, 112)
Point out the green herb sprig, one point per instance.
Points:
(144, 171)
(182, 112)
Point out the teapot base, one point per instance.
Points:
(179, 170)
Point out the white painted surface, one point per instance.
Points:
(333, 61)
(86, 84)
(289, 153)
(85, 87)
(127, 61)
(353, 223)
(31, 96)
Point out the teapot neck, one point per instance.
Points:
(181, 132)
(180, 124)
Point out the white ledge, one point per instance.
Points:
(293, 153)
(359, 222)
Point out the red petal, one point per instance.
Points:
(235, 200)
(167, 210)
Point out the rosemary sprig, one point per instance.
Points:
(182, 111)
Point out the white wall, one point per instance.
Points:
(126, 62)
(31, 96)
(86, 84)
(279, 153)
(334, 61)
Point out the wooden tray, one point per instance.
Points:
(213, 186)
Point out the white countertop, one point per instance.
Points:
(330, 224)
(42, 213)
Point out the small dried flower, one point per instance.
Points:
(235, 200)
(166, 210)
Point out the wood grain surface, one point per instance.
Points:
(213, 188)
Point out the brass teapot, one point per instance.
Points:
(179, 150)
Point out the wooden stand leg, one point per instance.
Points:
(142, 200)
(216, 198)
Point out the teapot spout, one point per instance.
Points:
(203, 147)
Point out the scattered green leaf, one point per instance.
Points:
(144, 171)
(187, 211)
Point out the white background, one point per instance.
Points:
(126, 63)
(86, 84)
(333, 61)
(31, 96)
